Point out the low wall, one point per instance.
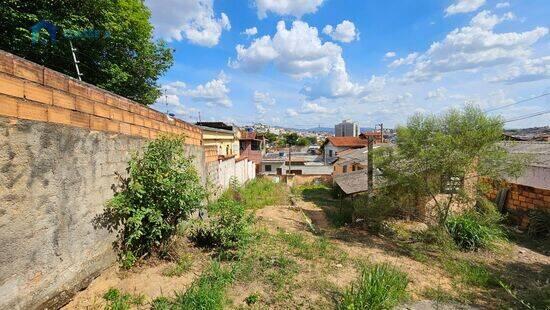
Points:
(242, 170)
(61, 141)
(521, 199)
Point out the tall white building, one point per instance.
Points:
(346, 128)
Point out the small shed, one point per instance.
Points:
(352, 182)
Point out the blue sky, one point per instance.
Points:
(304, 63)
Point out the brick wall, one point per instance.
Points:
(521, 199)
(33, 92)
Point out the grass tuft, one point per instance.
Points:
(119, 301)
(380, 286)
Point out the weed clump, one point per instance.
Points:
(475, 229)
(380, 286)
(227, 230)
(119, 301)
(258, 193)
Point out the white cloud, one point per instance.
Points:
(300, 53)
(389, 55)
(214, 92)
(193, 20)
(344, 32)
(297, 52)
(291, 112)
(473, 47)
(295, 8)
(251, 31)
(403, 98)
(262, 101)
(404, 61)
(437, 94)
(526, 71)
(314, 108)
(502, 5)
(464, 6)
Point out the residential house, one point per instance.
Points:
(333, 145)
(353, 159)
(223, 136)
(301, 163)
(251, 145)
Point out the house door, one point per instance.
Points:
(279, 171)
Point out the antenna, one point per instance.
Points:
(76, 62)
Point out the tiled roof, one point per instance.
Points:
(540, 151)
(347, 141)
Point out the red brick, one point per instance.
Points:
(96, 94)
(84, 105)
(77, 88)
(32, 111)
(138, 120)
(546, 198)
(113, 126)
(56, 80)
(144, 132)
(125, 128)
(8, 106)
(80, 119)
(38, 93)
(127, 117)
(102, 110)
(28, 71)
(135, 130)
(6, 62)
(98, 123)
(11, 86)
(147, 122)
(521, 198)
(63, 100)
(116, 114)
(59, 115)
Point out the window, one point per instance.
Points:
(267, 168)
(345, 169)
(330, 153)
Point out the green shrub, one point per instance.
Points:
(470, 272)
(118, 301)
(208, 291)
(161, 190)
(227, 229)
(473, 230)
(380, 286)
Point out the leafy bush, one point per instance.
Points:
(227, 229)
(473, 229)
(380, 286)
(162, 189)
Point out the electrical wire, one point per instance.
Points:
(527, 116)
(517, 102)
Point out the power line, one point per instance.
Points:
(517, 102)
(526, 116)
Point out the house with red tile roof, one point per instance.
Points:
(333, 145)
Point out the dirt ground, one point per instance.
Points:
(317, 282)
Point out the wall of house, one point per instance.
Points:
(61, 142)
(339, 168)
(522, 199)
(330, 147)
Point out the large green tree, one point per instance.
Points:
(442, 159)
(113, 39)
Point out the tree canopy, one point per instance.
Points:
(113, 39)
(447, 154)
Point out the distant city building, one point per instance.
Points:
(346, 128)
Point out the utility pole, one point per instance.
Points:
(76, 62)
(289, 158)
(369, 165)
(199, 116)
(381, 132)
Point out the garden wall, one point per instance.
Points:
(521, 199)
(61, 142)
